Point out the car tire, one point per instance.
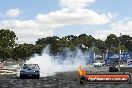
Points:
(37, 76)
(21, 77)
(113, 69)
(82, 80)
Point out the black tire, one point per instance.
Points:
(37, 76)
(21, 77)
(113, 69)
(82, 80)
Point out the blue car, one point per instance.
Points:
(30, 70)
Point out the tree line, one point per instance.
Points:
(10, 50)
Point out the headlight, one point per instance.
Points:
(36, 71)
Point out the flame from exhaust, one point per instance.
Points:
(82, 72)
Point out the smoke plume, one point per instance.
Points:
(49, 65)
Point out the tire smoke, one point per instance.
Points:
(49, 65)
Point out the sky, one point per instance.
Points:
(34, 19)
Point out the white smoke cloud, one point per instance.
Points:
(49, 66)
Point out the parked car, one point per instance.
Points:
(2, 65)
(15, 66)
(98, 64)
(30, 70)
(113, 69)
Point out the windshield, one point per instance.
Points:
(30, 66)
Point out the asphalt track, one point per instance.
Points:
(60, 80)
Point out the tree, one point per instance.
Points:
(60, 45)
(116, 49)
(100, 45)
(112, 41)
(114, 44)
(23, 51)
(7, 43)
(38, 49)
(71, 38)
(85, 42)
(5, 53)
(47, 40)
(126, 40)
(7, 38)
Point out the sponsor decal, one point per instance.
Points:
(108, 78)
(103, 78)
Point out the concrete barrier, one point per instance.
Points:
(6, 71)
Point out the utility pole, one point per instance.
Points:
(119, 51)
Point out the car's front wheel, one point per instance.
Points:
(37, 76)
(21, 77)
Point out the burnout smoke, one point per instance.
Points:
(49, 65)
